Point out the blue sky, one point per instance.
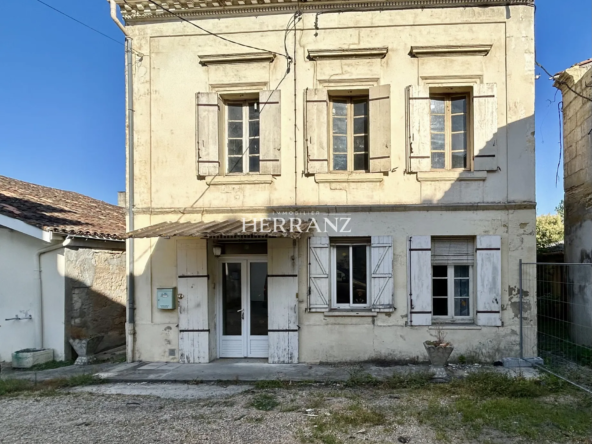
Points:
(62, 106)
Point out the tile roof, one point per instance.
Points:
(59, 211)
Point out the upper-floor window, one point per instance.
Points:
(242, 135)
(349, 133)
(449, 131)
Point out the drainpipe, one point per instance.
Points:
(41, 252)
(131, 306)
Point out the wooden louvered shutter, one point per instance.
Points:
(380, 129)
(381, 260)
(270, 124)
(419, 268)
(485, 127)
(209, 112)
(192, 283)
(489, 280)
(317, 131)
(419, 129)
(318, 273)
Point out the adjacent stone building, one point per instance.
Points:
(62, 269)
(400, 134)
(575, 84)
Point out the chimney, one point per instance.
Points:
(121, 199)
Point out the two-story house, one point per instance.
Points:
(394, 138)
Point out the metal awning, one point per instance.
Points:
(223, 229)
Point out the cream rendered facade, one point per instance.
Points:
(398, 53)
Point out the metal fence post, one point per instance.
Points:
(520, 303)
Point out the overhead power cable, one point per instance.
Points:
(87, 26)
(81, 23)
(213, 33)
(561, 82)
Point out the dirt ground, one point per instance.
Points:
(313, 413)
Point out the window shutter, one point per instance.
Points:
(420, 280)
(452, 250)
(318, 273)
(485, 127)
(209, 110)
(192, 283)
(381, 260)
(380, 129)
(282, 290)
(270, 124)
(317, 131)
(419, 129)
(489, 280)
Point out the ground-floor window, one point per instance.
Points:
(452, 279)
(350, 280)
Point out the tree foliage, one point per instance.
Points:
(549, 230)
(561, 210)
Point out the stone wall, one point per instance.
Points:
(577, 118)
(96, 294)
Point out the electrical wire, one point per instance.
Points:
(213, 33)
(87, 26)
(561, 82)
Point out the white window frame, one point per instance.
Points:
(350, 100)
(244, 154)
(448, 97)
(451, 318)
(333, 277)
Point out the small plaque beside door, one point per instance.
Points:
(165, 298)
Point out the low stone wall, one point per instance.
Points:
(96, 295)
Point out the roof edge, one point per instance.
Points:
(24, 228)
(143, 10)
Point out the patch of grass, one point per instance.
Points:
(493, 384)
(411, 380)
(534, 419)
(273, 384)
(316, 401)
(12, 386)
(264, 401)
(50, 365)
(285, 408)
(48, 387)
(357, 415)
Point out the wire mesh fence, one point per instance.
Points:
(556, 302)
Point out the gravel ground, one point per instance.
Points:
(84, 417)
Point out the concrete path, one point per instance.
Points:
(247, 370)
(169, 391)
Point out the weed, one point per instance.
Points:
(48, 387)
(10, 386)
(462, 359)
(316, 401)
(274, 384)
(413, 380)
(50, 365)
(285, 408)
(357, 415)
(264, 401)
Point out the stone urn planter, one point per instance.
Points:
(438, 352)
(85, 348)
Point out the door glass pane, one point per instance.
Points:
(258, 296)
(459, 105)
(231, 299)
(360, 295)
(342, 275)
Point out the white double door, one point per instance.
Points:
(243, 308)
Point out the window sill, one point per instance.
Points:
(454, 327)
(450, 176)
(349, 313)
(348, 177)
(240, 180)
